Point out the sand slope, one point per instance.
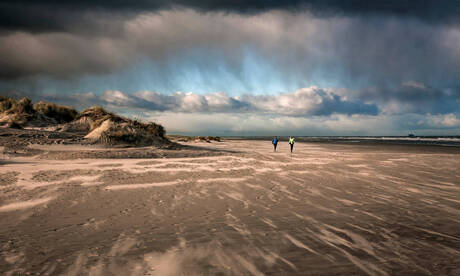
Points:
(327, 210)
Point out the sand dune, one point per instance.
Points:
(327, 210)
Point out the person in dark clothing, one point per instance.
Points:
(275, 143)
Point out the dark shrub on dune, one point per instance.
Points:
(17, 112)
(24, 106)
(61, 113)
(7, 103)
(10, 106)
(136, 137)
(134, 133)
(13, 125)
(208, 139)
(213, 138)
(155, 129)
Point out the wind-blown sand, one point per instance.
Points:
(327, 210)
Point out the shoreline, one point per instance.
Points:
(359, 141)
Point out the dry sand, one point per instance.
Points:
(327, 210)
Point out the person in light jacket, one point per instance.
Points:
(291, 142)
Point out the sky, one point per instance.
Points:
(303, 67)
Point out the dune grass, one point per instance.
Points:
(10, 105)
(61, 113)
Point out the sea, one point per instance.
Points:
(452, 141)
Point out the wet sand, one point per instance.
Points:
(328, 209)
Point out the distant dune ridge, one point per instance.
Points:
(95, 123)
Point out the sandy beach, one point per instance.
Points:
(236, 209)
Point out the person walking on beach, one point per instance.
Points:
(291, 142)
(275, 143)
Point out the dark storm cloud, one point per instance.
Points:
(335, 104)
(300, 45)
(54, 15)
(413, 97)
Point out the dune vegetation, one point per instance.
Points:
(96, 123)
(61, 113)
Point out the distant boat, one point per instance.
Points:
(411, 135)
